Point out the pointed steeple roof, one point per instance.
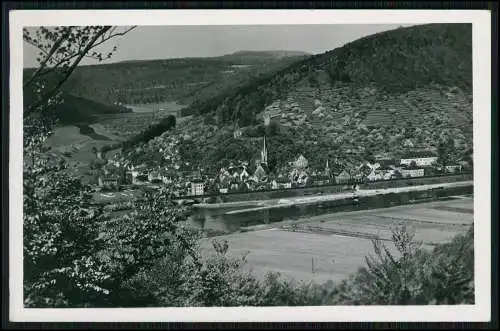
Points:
(263, 154)
(327, 169)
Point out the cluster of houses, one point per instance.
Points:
(241, 177)
(238, 178)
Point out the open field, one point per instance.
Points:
(110, 129)
(70, 139)
(169, 107)
(336, 256)
(143, 115)
(66, 136)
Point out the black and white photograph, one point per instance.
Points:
(251, 164)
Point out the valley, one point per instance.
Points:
(160, 175)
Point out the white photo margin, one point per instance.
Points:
(481, 23)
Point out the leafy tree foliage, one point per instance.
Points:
(61, 49)
(445, 151)
(60, 225)
(417, 276)
(60, 236)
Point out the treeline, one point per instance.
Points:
(78, 110)
(67, 107)
(403, 59)
(75, 109)
(184, 80)
(151, 132)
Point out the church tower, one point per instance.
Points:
(327, 169)
(263, 153)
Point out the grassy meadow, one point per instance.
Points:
(321, 256)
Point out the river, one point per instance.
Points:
(228, 218)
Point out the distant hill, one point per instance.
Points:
(243, 55)
(73, 109)
(95, 89)
(185, 80)
(392, 62)
(77, 110)
(248, 56)
(405, 88)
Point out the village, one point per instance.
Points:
(116, 174)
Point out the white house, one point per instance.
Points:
(237, 133)
(166, 179)
(373, 166)
(267, 119)
(274, 185)
(412, 172)
(283, 182)
(134, 174)
(453, 168)
(260, 173)
(375, 175)
(154, 176)
(386, 172)
(423, 158)
(300, 163)
(197, 187)
(244, 174)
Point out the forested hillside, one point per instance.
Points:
(82, 110)
(395, 62)
(104, 89)
(184, 80)
(405, 88)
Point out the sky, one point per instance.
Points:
(163, 42)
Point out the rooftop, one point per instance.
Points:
(418, 154)
(412, 168)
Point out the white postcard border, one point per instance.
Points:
(482, 172)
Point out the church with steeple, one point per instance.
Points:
(262, 167)
(263, 153)
(328, 172)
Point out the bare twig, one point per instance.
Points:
(115, 35)
(54, 48)
(89, 46)
(105, 34)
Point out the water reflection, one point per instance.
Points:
(233, 219)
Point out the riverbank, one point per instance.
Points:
(268, 204)
(332, 246)
(232, 218)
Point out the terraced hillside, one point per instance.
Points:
(405, 88)
(395, 62)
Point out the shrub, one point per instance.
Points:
(418, 276)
